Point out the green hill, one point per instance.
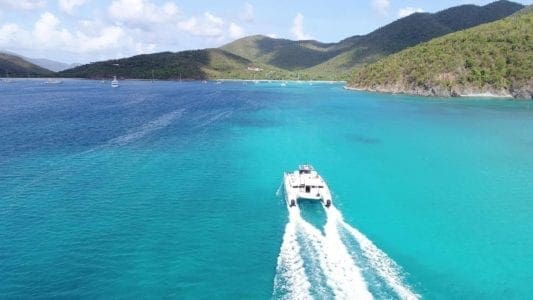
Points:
(282, 53)
(15, 66)
(410, 31)
(193, 64)
(317, 60)
(492, 58)
(287, 59)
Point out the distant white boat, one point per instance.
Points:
(114, 82)
(283, 84)
(219, 82)
(53, 81)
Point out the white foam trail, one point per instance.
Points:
(291, 280)
(385, 267)
(122, 140)
(215, 118)
(147, 128)
(341, 273)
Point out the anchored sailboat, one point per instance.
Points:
(114, 82)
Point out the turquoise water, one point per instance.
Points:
(172, 190)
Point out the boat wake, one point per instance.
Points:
(291, 281)
(383, 266)
(128, 138)
(146, 129)
(337, 261)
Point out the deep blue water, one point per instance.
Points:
(171, 190)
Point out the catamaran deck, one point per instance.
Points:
(306, 184)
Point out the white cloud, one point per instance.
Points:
(272, 35)
(142, 12)
(49, 34)
(235, 32)
(23, 4)
(11, 34)
(381, 6)
(406, 11)
(127, 27)
(248, 13)
(208, 25)
(108, 38)
(69, 5)
(298, 28)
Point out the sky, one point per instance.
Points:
(82, 31)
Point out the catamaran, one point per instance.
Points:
(306, 184)
(114, 83)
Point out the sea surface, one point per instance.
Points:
(173, 190)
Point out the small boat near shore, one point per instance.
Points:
(114, 82)
(306, 184)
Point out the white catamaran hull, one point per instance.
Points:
(306, 184)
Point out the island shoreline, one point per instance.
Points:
(484, 95)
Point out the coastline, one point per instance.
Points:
(504, 95)
(438, 93)
(206, 79)
(278, 80)
(488, 95)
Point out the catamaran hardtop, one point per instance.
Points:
(306, 184)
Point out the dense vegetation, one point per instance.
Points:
(336, 60)
(286, 59)
(495, 57)
(194, 64)
(410, 31)
(15, 66)
(282, 53)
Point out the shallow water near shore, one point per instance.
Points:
(171, 189)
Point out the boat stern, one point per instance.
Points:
(306, 184)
